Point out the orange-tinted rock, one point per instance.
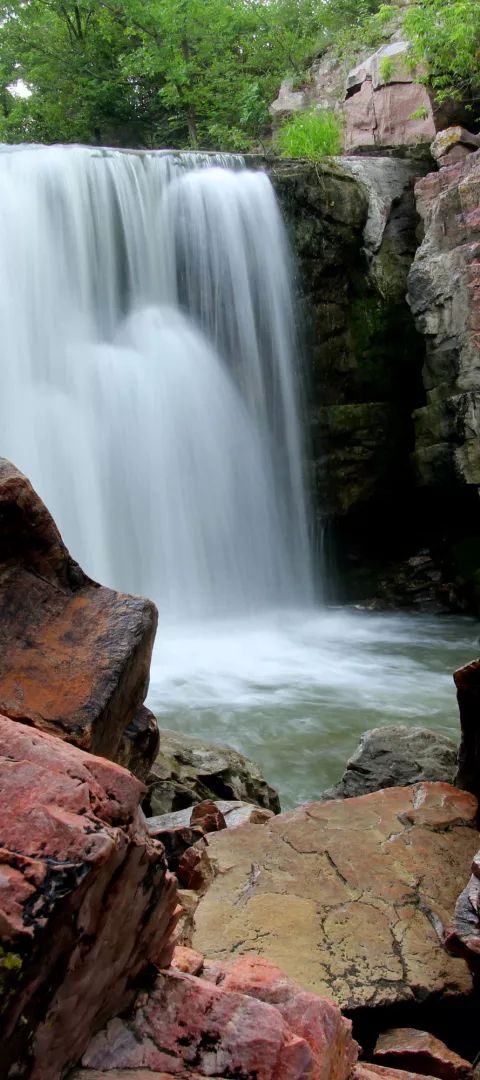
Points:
(74, 656)
(349, 897)
(86, 902)
(407, 1048)
(208, 816)
(383, 116)
(257, 1023)
(187, 960)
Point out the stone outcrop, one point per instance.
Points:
(395, 756)
(74, 657)
(349, 897)
(452, 145)
(386, 105)
(352, 224)
(407, 1048)
(243, 1019)
(86, 902)
(444, 295)
(188, 770)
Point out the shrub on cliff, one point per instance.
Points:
(313, 135)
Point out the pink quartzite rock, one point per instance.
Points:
(317, 1020)
(444, 295)
(407, 1048)
(386, 116)
(74, 656)
(189, 1023)
(257, 1022)
(86, 903)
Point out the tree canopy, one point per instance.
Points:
(193, 73)
(155, 72)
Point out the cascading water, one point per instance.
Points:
(148, 390)
(148, 384)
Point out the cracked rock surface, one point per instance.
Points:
(350, 897)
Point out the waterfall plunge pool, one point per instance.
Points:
(295, 690)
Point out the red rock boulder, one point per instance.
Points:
(86, 903)
(256, 1022)
(74, 656)
(408, 1048)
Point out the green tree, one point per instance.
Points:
(446, 37)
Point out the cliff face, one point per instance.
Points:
(393, 383)
(352, 223)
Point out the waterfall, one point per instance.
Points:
(149, 388)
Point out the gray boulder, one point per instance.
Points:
(396, 756)
(188, 771)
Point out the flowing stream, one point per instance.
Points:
(150, 392)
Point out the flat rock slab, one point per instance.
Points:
(74, 656)
(349, 897)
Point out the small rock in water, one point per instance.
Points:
(396, 756)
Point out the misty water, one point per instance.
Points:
(294, 691)
(151, 384)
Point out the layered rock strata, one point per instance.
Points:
(74, 656)
(86, 902)
(444, 295)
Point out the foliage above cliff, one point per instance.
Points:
(445, 35)
(155, 72)
(195, 72)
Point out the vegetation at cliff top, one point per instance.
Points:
(189, 73)
(314, 134)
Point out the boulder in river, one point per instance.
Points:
(395, 756)
(74, 656)
(188, 770)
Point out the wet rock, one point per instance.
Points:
(74, 657)
(349, 897)
(188, 770)
(86, 902)
(395, 756)
(140, 742)
(421, 1052)
(256, 1022)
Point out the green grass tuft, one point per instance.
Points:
(313, 135)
